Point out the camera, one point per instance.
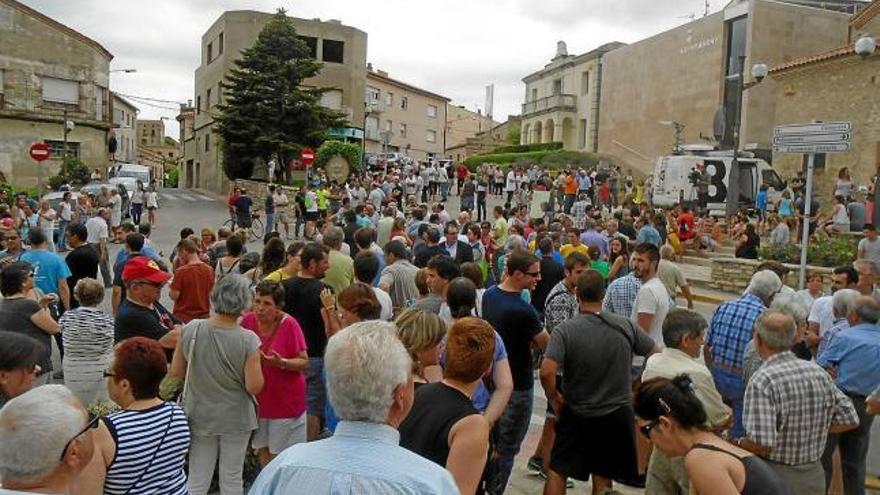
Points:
(694, 177)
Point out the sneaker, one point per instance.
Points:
(569, 483)
(535, 465)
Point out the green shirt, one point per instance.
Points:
(340, 272)
(601, 267)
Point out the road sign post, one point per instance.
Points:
(809, 139)
(306, 157)
(39, 152)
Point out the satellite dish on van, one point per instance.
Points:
(719, 124)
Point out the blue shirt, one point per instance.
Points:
(593, 238)
(761, 200)
(49, 268)
(649, 234)
(358, 458)
(556, 255)
(482, 394)
(621, 295)
(855, 352)
(731, 329)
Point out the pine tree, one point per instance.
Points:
(268, 112)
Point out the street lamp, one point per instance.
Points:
(865, 45)
(759, 72)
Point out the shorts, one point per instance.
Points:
(311, 216)
(316, 391)
(614, 455)
(151, 208)
(278, 434)
(281, 215)
(243, 222)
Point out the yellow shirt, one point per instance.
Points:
(568, 249)
(280, 275)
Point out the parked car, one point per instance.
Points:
(95, 188)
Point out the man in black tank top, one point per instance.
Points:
(443, 425)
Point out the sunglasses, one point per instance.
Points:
(108, 374)
(533, 274)
(89, 426)
(646, 428)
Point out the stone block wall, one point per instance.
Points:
(734, 274)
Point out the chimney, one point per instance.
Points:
(369, 67)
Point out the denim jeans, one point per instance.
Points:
(853, 451)
(270, 222)
(731, 387)
(512, 428)
(62, 228)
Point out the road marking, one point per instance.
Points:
(206, 198)
(168, 196)
(188, 197)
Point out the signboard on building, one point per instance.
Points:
(817, 137)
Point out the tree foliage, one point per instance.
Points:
(268, 111)
(350, 151)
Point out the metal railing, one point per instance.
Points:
(554, 102)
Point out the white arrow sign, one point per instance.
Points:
(812, 128)
(812, 148)
(840, 137)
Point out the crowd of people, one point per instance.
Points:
(394, 347)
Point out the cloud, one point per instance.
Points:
(453, 47)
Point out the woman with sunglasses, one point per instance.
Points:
(22, 314)
(20, 356)
(673, 418)
(142, 448)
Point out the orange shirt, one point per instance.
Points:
(194, 283)
(571, 185)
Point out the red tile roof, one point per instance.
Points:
(843, 51)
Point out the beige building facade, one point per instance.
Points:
(125, 125)
(47, 71)
(154, 150)
(151, 132)
(837, 85)
(462, 124)
(686, 74)
(487, 140)
(403, 118)
(562, 100)
(342, 50)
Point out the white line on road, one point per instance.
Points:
(188, 197)
(168, 196)
(204, 197)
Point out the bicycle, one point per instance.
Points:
(256, 229)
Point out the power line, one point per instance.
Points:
(151, 99)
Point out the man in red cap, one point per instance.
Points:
(140, 314)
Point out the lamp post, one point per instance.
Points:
(678, 129)
(759, 72)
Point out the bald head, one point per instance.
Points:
(865, 309)
(776, 330)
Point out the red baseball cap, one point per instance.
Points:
(144, 268)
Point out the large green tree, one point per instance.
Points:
(268, 112)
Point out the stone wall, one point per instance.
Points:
(258, 190)
(734, 274)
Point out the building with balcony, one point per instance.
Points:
(403, 118)
(48, 72)
(341, 49)
(562, 99)
(125, 125)
(690, 75)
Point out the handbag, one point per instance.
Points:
(181, 399)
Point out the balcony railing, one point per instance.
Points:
(555, 102)
(374, 106)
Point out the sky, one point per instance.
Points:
(452, 47)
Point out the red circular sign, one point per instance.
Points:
(39, 152)
(307, 156)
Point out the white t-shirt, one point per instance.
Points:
(652, 299)
(311, 202)
(96, 227)
(871, 249)
(511, 181)
(821, 313)
(385, 302)
(152, 199)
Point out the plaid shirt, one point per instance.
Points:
(579, 214)
(789, 406)
(731, 329)
(621, 295)
(561, 305)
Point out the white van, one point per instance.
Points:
(139, 172)
(673, 180)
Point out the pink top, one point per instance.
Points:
(284, 392)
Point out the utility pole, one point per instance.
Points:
(732, 205)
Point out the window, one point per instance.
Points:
(198, 104)
(389, 99)
(333, 51)
(152, 132)
(220, 44)
(431, 136)
(210, 52)
(557, 87)
(582, 133)
(389, 125)
(432, 111)
(402, 130)
(208, 99)
(372, 95)
(207, 142)
(56, 149)
(404, 103)
(585, 82)
(534, 94)
(311, 45)
(60, 90)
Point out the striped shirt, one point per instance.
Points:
(151, 447)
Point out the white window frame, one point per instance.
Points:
(389, 99)
(404, 103)
(431, 114)
(60, 90)
(402, 130)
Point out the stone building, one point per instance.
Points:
(462, 124)
(403, 118)
(836, 85)
(341, 49)
(151, 132)
(125, 124)
(487, 140)
(686, 74)
(562, 99)
(49, 71)
(155, 150)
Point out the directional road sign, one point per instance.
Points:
(812, 128)
(812, 148)
(818, 137)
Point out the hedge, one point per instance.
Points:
(502, 158)
(351, 152)
(557, 159)
(524, 148)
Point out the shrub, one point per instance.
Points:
(73, 171)
(173, 178)
(505, 158)
(822, 250)
(524, 148)
(552, 160)
(351, 152)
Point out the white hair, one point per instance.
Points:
(34, 428)
(764, 284)
(776, 329)
(789, 304)
(365, 362)
(232, 295)
(843, 301)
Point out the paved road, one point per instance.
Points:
(197, 209)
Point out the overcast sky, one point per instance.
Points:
(452, 47)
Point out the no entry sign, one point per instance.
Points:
(39, 151)
(307, 156)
